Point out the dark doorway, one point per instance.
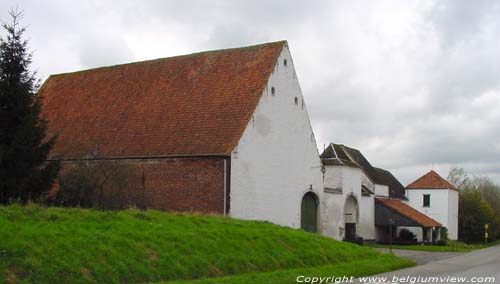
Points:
(309, 213)
(350, 232)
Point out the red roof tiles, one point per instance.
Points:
(409, 212)
(196, 104)
(431, 180)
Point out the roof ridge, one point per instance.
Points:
(284, 42)
(152, 99)
(425, 182)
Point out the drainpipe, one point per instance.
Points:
(225, 185)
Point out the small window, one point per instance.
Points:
(427, 200)
(273, 91)
(296, 100)
(284, 62)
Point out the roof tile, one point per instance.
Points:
(431, 180)
(196, 104)
(409, 212)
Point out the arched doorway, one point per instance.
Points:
(309, 212)
(351, 212)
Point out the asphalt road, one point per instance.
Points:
(480, 266)
(421, 257)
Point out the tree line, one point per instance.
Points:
(479, 204)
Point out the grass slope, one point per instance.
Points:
(60, 245)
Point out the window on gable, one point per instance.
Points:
(427, 200)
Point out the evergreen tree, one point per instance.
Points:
(24, 173)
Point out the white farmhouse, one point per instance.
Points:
(223, 131)
(226, 132)
(437, 198)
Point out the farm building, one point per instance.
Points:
(223, 131)
(364, 201)
(437, 198)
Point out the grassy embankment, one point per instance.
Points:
(60, 245)
(453, 246)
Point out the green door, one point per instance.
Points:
(309, 212)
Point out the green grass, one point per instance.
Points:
(356, 268)
(453, 246)
(61, 245)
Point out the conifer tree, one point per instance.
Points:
(24, 173)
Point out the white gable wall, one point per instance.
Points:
(276, 161)
(443, 207)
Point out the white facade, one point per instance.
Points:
(443, 207)
(276, 161)
(336, 205)
(381, 190)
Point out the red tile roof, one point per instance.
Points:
(431, 180)
(409, 212)
(196, 104)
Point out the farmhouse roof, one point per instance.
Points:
(431, 180)
(338, 154)
(197, 104)
(334, 155)
(396, 189)
(407, 211)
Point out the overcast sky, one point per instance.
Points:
(414, 85)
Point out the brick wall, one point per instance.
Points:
(169, 184)
(187, 184)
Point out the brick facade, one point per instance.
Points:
(194, 184)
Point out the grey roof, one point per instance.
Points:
(396, 189)
(338, 154)
(334, 155)
(366, 191)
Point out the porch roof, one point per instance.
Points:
(401, 214)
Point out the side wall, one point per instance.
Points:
(276, 161)
(438, 209)
(452, 214)
(350, 180)
(173, 184)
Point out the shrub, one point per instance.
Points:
(98, 184)
(407, 235)
(444, 233)
(442, 243)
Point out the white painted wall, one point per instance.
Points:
(367, 217)
(443, 207)
(350, 180)
(333, 204)
(452, 214)
(381, 190)
(276, 161)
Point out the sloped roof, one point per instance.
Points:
(431, 180)
(365, 191)
(334, 155)
(396, 189)
(197, 104)
(408, 211)
(376, 175)
(369, 170)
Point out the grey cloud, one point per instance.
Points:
(410, 83)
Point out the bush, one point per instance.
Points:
(407, 235)
(442, 243)
(98, 184)
(444, 233)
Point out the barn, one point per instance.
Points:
(223, 131)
